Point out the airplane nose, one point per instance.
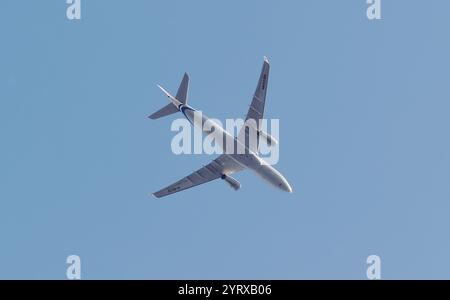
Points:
(285, 187)
(288, 188)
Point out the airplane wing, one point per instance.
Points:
(214, 170)
(256, 110)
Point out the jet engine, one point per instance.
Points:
(268, 138)
(232, 182)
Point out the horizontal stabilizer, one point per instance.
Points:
(165, 111)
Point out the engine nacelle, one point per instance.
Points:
(268, 138)
(232, 182)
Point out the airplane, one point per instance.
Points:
(226, 164)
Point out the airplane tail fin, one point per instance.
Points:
(182, 94)
(180, 99)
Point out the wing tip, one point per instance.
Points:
(155, 195)
(266, 60)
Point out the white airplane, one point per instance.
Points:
(226, 164)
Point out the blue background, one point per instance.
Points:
(364, 115)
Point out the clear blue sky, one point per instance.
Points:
(364, 116)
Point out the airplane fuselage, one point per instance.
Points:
(249, 159)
